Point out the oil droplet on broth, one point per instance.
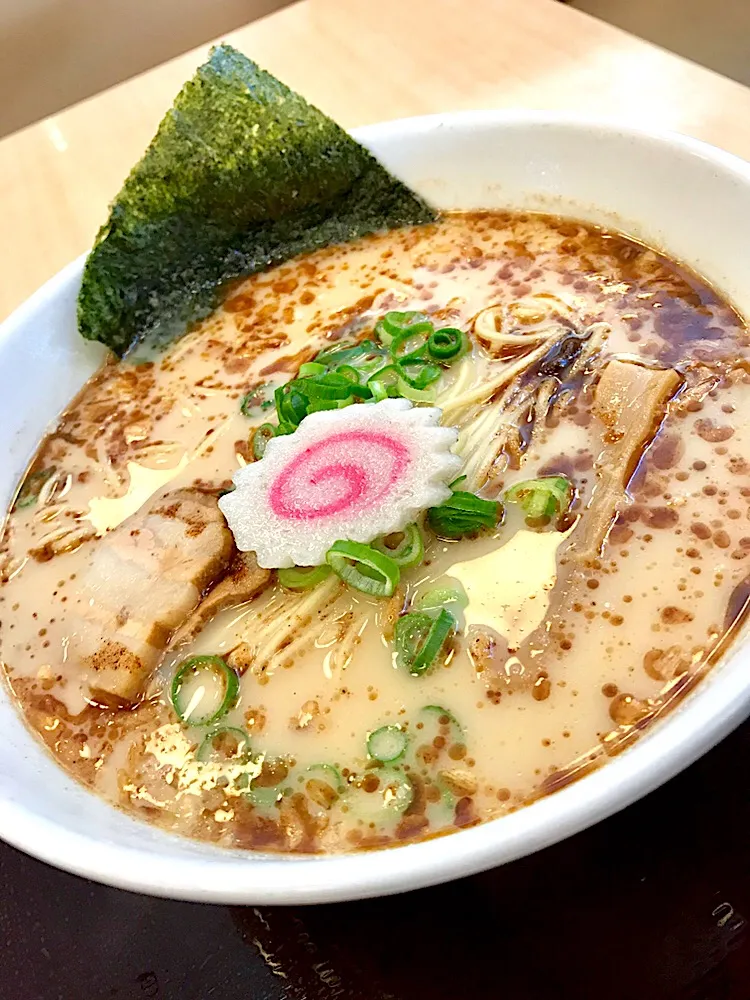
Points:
(106, 513)
(508, 588)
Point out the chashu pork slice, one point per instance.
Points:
(243, 580)
(143, 580)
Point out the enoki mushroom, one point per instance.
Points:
(290, 624)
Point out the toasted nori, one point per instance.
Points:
(242, 174)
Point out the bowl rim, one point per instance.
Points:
(223, 875)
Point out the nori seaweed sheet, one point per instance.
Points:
(242, 174)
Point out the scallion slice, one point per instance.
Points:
(443, 717)
(395, 324)
(447, 344)
(542, 500)
(387, 744)
(387, 377)
(396, 791)
(463, 514)
(438, 597)
(416, 395)
(261, 436)
(326, 391)
(451, 596)
(32, 486)
(291, 407)
(350, 372)
(253, 400)
(386, 803)
(324, 785)
(410, 346)
(311, 368)
(408, 551)
(315, 405)
(265, 789)
(419, 638)
(379, 390)
(329, 772)
(203, 690)
(418, 372)
(224, 743)
(392, 797)
(303, 577)
(363, 568)
(332, 385)
(364, 354)
(265, 797)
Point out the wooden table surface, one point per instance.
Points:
(360, 61)
(653, 903)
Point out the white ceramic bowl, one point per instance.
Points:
(681, 195)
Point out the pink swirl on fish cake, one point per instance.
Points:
(350, 471)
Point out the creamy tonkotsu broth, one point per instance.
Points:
(599, 360)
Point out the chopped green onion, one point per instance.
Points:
(397, 324)
(252, 399)
(363, 568)
(426, 372)
(453, 598)
(409, 634)
(311, 368)
(438, 597)
(379, 391)
(370, 359)
(264, 796)
(264, 791)
(415, 395)
(463, 514)
(325, 785)
(440, 713)
(350, 372)
(387, 377)
(387, 744)
(395, 379)
(338, 354)
(32, 486)
(325, 391)
(419, 638)
(438, 721)
(291, 407)
(303, 577)
(396, 790)
(365, 353)
(316, 405)
(410, 346)
(392, 797)
(202, 678)
(261, 437)
(330, 386)
(225, 743)
(447, 344)
(542, 500)
(408, 551)
(331, 773)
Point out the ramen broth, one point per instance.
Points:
(558, 661)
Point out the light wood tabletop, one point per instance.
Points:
(360, 61)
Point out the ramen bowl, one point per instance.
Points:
(686, 198)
